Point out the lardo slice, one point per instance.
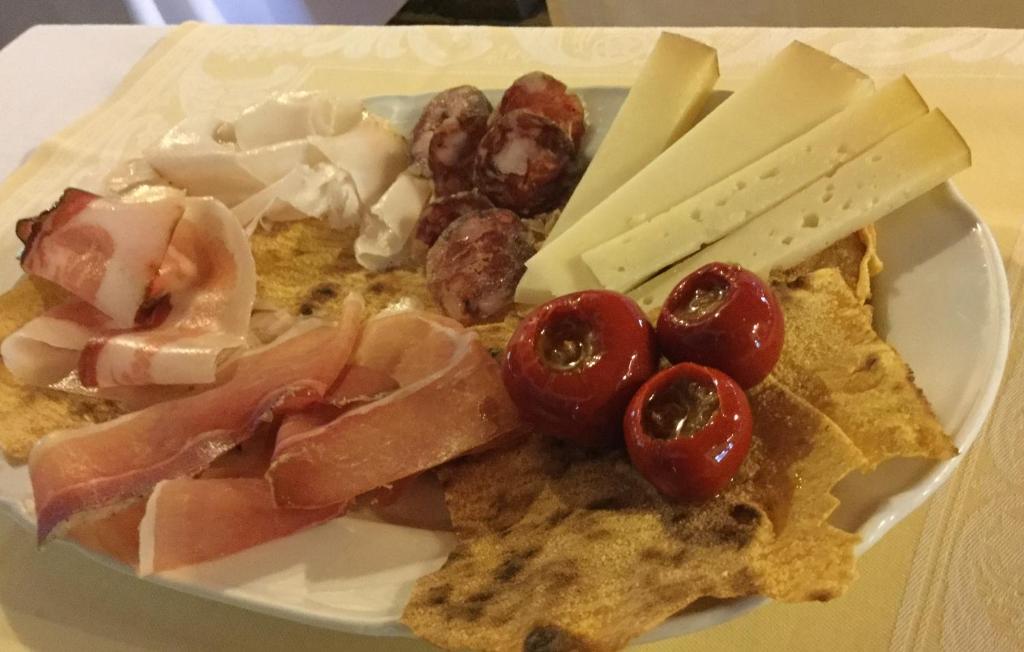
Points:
(902, 167)
(625, 261)
(795, 91)
(663, 103)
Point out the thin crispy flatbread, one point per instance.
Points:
(307, 268)
(28, 413)
(833, 358)
(564, 549)
(855, 256)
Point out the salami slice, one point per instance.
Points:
(465, 104)
(451, 154)
(525, 162)
(540, 93)
(473, 268)
(441, 212)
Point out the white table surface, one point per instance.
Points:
(55, 599)
(77, 77)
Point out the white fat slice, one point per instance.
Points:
(664, 102)
(190, 157)
(320, 191)
(295, 116)
(384, 234)
(371, 152)
(800, 88)
(130, 174)
(897, 170)
(627, 260)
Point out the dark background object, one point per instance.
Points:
(498, 12)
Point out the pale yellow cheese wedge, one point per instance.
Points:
(798, 89)
(664, 102)
(902, 167)
(627, 260)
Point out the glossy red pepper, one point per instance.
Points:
(688, 430)
(574, 362)
(725, 317)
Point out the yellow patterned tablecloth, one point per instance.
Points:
(950, 577)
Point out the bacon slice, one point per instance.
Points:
(77, 472)
(206, 287)
(46, 349)
(103, 252)
(192, 521)
(451, 400)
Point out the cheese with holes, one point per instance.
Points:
(795, 91)
(627, 260)
(664, 102)
(902, 167)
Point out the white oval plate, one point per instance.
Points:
(942, 301)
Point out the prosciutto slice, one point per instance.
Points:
(116, 535)
(192, 521)
(77, 473)
(103, 252)
(450, 400)
(205, 289)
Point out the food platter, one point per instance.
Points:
(941, 301)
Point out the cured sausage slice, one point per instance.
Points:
(451, 153)
(544, 95)
(473, 268)
(438, 214)
(525, 163)
(465, 104)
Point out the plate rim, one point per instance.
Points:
(891, 511)
(898, 506)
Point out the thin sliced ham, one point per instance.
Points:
(192, 521)
(115, 535)
(450, 400)
(205, 288)
(103, 252)
(77, 473)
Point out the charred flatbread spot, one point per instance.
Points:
(509, 569)
(438, 595)
(306, 310)
(558, 516)
(376, 287)
(324, 292)
(618, 502)
(480, 597)
(738, 537)
(869, 363)
(549, 638)
(822, 596)
(597, 534)
(471, 612)
(744, 514)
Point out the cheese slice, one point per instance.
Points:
(796, 90)
(902, 167)
(664, 102)
(627, 260)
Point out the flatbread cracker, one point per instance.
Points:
(565, 549)
(855, 256)
(833, 358)
(307, 268)
(28, 413)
